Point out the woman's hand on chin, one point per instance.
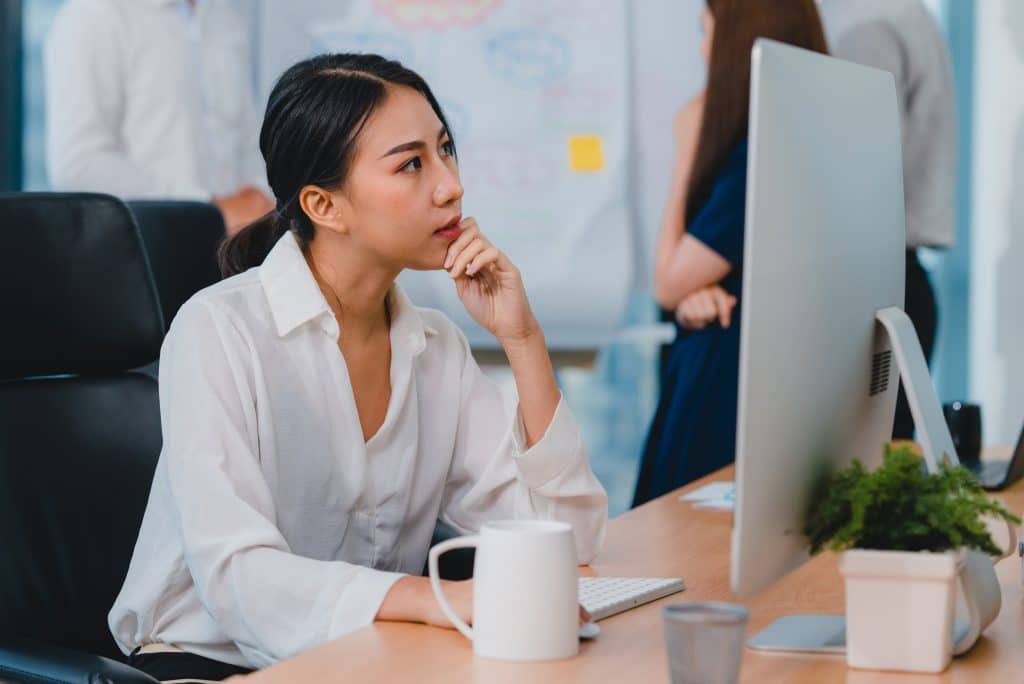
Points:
(490, 286)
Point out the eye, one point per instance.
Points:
(448, 147)
(414, 164)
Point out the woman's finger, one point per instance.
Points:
(585, 615)
(684, 313)
(470, 231)
(484, 258)
(505, 264)
(708, 310)
(681, 314)
(724, 303)
(471, 250)
(688, 316)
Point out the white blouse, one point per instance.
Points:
(271, 525)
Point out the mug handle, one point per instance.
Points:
(973, 613)
(435, 578)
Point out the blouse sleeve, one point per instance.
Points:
(495, 476)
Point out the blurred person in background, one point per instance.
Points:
(903, 38)
(699, 257)
(153, 99)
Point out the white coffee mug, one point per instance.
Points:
(525, 603)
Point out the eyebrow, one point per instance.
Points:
(414, 145)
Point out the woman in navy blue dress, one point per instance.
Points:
(699, 259)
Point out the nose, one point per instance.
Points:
(449, 188)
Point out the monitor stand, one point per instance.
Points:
(827, 633)
(816, 634)
(932, 433)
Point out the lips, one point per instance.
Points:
(451, 229)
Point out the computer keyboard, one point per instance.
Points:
(606, 596)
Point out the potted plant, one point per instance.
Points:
(905, 538)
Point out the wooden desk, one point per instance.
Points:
(665, 538)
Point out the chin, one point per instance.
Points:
(424, 267)
(427, 262)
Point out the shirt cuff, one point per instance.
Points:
(360, 601)
(553, 454)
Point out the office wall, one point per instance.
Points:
(997, 260)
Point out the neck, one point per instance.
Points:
(355, 285)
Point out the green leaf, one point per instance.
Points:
(900, 507)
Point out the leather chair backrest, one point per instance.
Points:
(181, 240)
(79, 432)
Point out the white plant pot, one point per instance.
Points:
(900, 608)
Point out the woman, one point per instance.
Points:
(316, 424)
(699, 259)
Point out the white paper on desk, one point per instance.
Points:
(716, 504)
(715, 490)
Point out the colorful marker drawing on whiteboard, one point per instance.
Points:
(581, 96)
(436, 14)
(529, 168)
(586, 153)
(530, 58)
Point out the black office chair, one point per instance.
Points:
(79, 433)
(181, 240)
(456, 564)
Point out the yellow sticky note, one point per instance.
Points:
(586, 153)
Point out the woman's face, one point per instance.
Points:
(707, 26)
(403, 190)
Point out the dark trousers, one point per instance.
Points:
(183, 666)
(922, 309)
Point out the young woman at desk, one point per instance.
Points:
(316, 424)
(699, 259)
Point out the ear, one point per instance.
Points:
(324, 208)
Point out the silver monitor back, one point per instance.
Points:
(825, 250)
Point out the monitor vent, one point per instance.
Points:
(880, 372)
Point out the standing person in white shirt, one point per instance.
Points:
(316, 424)
(902, 37)
(153, 99)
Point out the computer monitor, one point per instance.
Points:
(822, 329)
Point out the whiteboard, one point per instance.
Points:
(562, 116)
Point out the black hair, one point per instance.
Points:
(314, 115)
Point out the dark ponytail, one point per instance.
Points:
(250, 245)
(314, 115)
